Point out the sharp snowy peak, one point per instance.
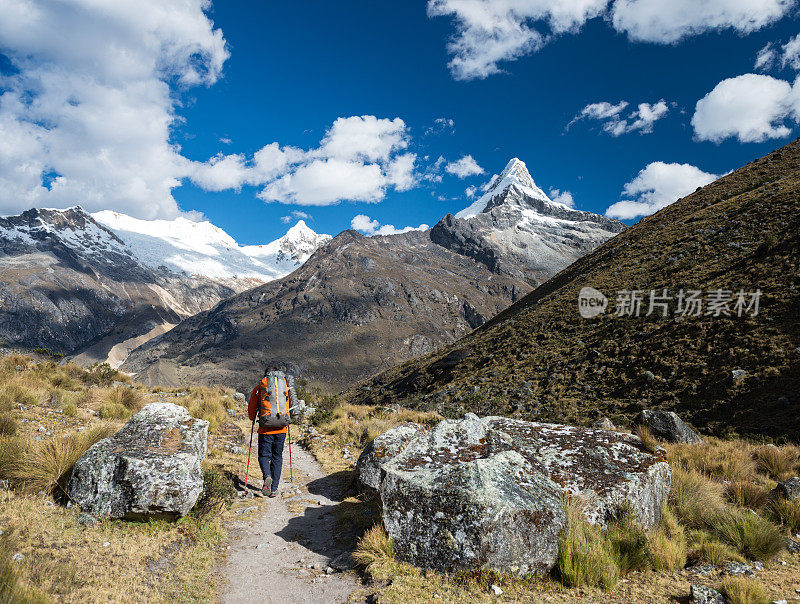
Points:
(515, 228)
(202, 249)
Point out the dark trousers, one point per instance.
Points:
(270, 456)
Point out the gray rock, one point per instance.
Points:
(738, 374)
(152, 467)
(788, 489)
(706, 595)
(668, 426)
(88, 520)
(489, 492)
(239, 397)
(382, 450)
(343, 562)
(462, 498)
(737, 569)
(792, 546)
(232, 412)
(604, 424)
(17, 557)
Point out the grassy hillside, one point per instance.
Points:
(540, 359)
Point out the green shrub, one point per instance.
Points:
(218, 493)
(323, 413)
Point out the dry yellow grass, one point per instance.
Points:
(742, 590)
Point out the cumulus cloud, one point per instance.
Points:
(750, 107)
(358, 159)
(489, 32)
(611, 116)
(470, 191)
(86, 117)
(790, 53)
(656, 186)
(369, 227)
(464, 167)
(668, 22)
(564, 197)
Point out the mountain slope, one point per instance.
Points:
(541, 359)
(71, 283)
(360, 304)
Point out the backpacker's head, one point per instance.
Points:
(269, 369)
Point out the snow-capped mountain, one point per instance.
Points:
(202, 249)
(102, 284)
(515, 228)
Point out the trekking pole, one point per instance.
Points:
(250, 448)
(291, 472)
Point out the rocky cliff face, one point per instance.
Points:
(362, 304)
(75, 285)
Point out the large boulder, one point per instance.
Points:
(490, 492)
(788, 489)
(382, 450)
(152, 467)
(461, 497)
(667, 426)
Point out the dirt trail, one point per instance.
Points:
(274, 541)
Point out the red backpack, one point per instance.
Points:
(273, 402)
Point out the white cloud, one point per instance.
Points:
(442, 125)
(790, 55)
(750, 107)
(641, 119)
(88, 115)
(370, 227)
(295, 215)
(464, 167)
(667, 22)
(470, 191)
(433, 173)
(656, 186)
(358, 159)
(765, 58)
(564, 197)
(489, 32)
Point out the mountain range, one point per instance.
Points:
(723, 365)
(98, 285)
(363, 304)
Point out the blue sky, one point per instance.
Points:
(258, 73)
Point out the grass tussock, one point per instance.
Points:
(46, 466)
(586, 557)
(704, 547)
(720, 460)
(776, 462)
(785, 512)
(10, 451)
(694, 497)
(209, 404)
(668, 544)
(374, 549)
(8, 424)
(12, 588)
(747, 532)
(650, 442)
(743, 590)
(746, 494)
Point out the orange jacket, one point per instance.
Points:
(252, 409)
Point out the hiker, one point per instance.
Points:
(271, 403)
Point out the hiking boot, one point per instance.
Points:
(266, 487)
(273, 494)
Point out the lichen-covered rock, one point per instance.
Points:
(604, 424)
(788, 489)
(152, 467)
(489, 492)
(605, 469)
(461, 497)
(382, 450)
(666, 425)
(701, 594)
